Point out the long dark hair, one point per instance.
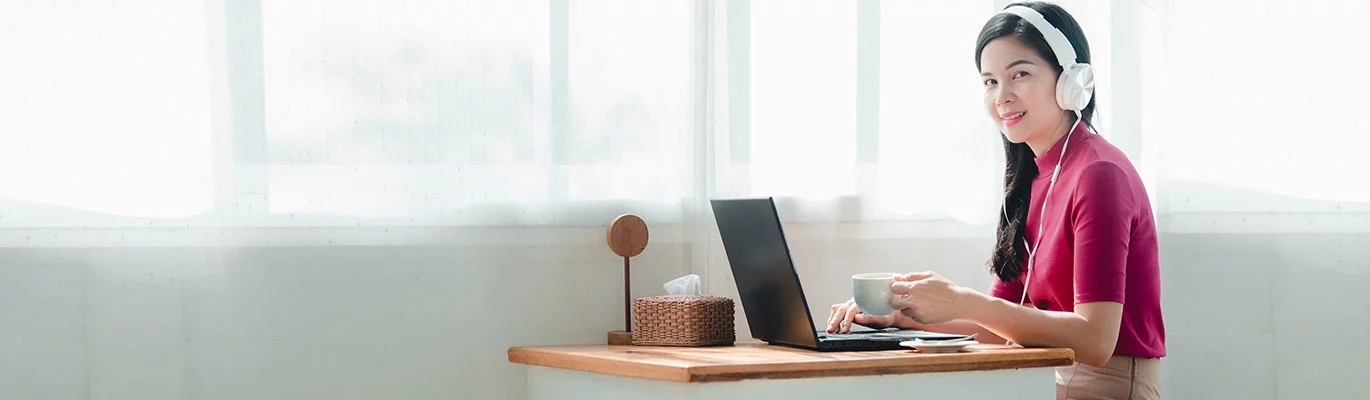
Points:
(1020, 165)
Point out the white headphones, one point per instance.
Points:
(1076, 84)
(1073, 91)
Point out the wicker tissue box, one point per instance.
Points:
(683, 321)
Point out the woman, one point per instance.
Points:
(1076, 253)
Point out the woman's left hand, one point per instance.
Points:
(929, 298)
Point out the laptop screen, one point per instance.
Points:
(766, 280)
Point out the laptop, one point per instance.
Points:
(768, 285)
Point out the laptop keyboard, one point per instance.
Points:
(888, 335)
(873, 336)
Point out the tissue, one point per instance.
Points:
(687, 285)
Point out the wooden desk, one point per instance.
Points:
(754, 370)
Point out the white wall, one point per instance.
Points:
(1257, 316)
(364, 321)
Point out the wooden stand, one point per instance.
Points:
(627, 237)
(623, 338)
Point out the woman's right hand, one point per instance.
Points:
(844, 314)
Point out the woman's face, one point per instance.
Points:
(1020, 90)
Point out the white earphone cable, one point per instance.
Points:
(1041, 215)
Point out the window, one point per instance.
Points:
(1256, 129)
(475, 112)
(106, 112)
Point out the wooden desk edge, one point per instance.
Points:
(546, 358)
(880, 366)
(787, 370)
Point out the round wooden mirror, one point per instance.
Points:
(627, 235)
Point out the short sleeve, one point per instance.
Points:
(1009, 291)
(1103, 219)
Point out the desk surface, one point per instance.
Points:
(749, 360)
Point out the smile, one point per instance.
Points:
(1012, 120)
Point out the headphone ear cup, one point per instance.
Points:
(1075, 87)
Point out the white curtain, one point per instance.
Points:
(562, 112)
(477, 112)
(851, 116)
(1261, 113)
(104, 107)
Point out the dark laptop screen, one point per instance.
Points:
(766, 281)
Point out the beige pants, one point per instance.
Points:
(1122, 377)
